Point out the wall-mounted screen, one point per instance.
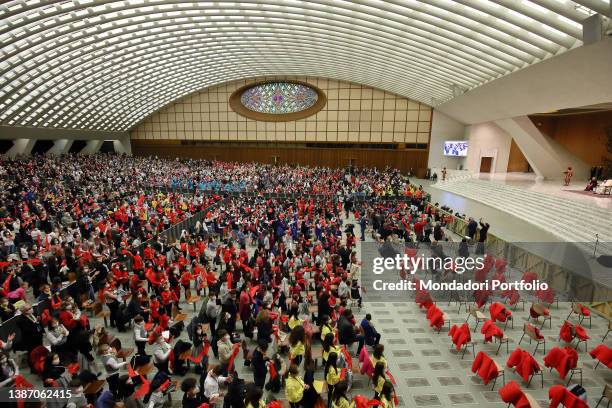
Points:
(455, 148)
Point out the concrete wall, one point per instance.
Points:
(444, 128)
(578, 77)
(488, 140)
(547, 158)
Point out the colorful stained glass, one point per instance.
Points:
(279, 97)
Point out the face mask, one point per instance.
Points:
(56, 361)
(3, 361)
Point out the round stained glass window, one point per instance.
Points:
(279, 97)
(278, 100)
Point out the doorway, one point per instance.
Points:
(485, 164)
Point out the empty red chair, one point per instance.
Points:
(524, 364)
(481, 296)
(435, 317)
(566, 334)
(486, 368)
(561, 359)
(460, 335)
(546, 295)
(490, 330)
(512, 295)
(499, 312)
(559, 395)
(569, 332)
(602, 353)
(513, 395)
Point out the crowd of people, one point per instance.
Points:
(277, 278)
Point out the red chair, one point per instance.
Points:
(547, 296)
(499, 312)
(492, 332)
(513, 395)
(487, 369)
(423, 299)
(563, 360)
(436, 318)
(569, 332)
(512, 296)
(534, 334)
(525, 365)
(538, 310)
(461, 337)
(603, 354)
(559, 395)
(582, 311)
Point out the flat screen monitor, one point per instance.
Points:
(457, 148)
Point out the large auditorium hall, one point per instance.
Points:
(305, 204)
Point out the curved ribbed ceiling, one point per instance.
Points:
(106, 65)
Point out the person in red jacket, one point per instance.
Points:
(67, 318)
(149, 253)
(244, 310)
(419, 227)
(186, 278)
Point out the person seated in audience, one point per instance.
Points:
(592, 185)
(372, 337)
(7, 310)
(347, 333)
(378, 356)
(8, 370)
(387, 394)
(379, 378)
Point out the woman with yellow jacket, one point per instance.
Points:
(332, 376)
(387, 399)
(326, 327)
(294, 387)
(378, 355)
(329, 347)
(253, 398)
(294, 319)
(297, 342)
(378, 379)
(340, 400)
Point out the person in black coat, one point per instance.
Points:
(347, 334)
(484, 229)
(193, 397)
(31, 330)
(323, 307)
(472, 227)
(259, 363)
(345, 256)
